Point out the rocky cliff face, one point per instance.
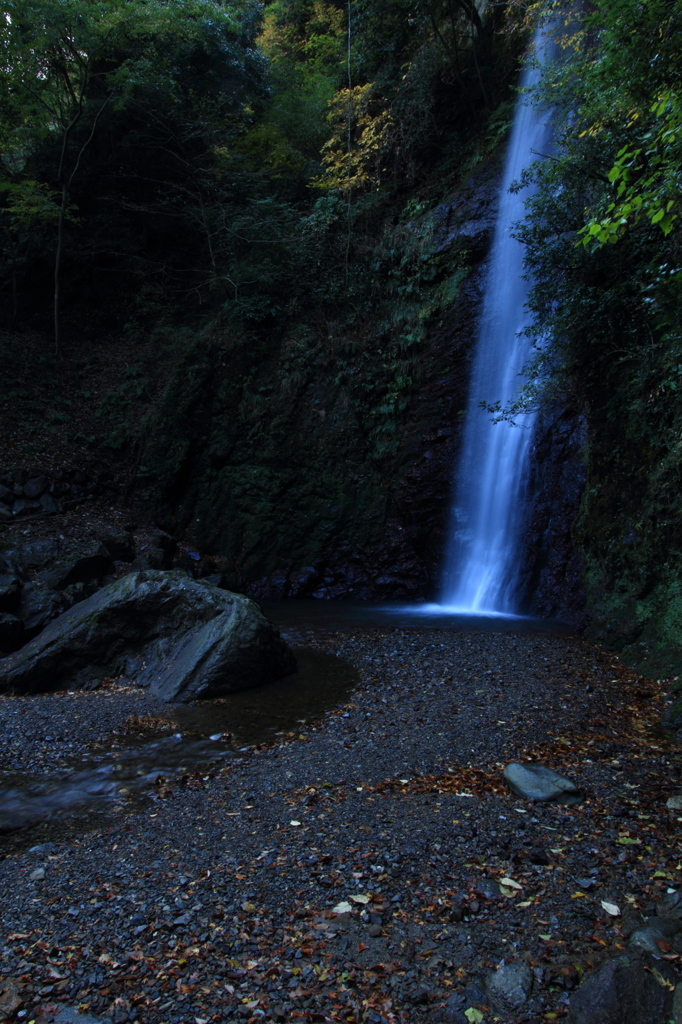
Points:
(320, 464)
(552, 573)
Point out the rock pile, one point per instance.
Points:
(41, 579)
(25, 492)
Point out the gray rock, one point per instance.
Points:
(674, 803)
(670, 906)
(39, 606)
(65, 1015)
(6, 496)
(510, 985)
(34, 488)
(43, 848)
(537, 782)
(655, 931)
(47, 503)
(36, 555)
(488, 888)
(193, 640)
(622, 992)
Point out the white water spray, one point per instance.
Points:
(481, 568)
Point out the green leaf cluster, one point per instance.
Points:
(603, 240)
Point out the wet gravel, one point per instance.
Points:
(215, 897)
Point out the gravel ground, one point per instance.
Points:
(213, 899)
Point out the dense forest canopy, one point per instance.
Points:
(252, 195)
(183, 147)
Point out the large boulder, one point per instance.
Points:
(185, 638)
(625, 991)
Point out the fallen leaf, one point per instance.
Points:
(473, 1015)
(342, 908)
(511, 883)
(577, 895)
(611, 908)
(663, 982)
(294, 823)
(359, 898)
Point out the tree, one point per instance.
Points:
(70, 67)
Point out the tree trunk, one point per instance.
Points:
(58, 273)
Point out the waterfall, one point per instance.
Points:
(481, 568)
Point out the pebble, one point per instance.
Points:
(221, 838)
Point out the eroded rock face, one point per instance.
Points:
(186, 638)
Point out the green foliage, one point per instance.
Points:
(603, 242)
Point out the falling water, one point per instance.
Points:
(487, 518)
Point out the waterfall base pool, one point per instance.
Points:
(298, 619)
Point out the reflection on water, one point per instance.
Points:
(298, 618)
(320, 683)
(207, 732)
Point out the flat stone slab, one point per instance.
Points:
(537, 782)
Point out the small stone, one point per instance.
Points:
(34, 488)
(374, 931)
(654, 931)
(510, 985)
(674, 803)
(670, 906)
(537, 782)
(43, 848)
(38, 875)
(487, 888)
(47, 503)
(10, 1000)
